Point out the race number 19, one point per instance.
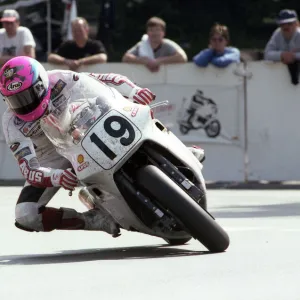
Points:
(123, 127)
(95, 139)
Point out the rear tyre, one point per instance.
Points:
(197, 221)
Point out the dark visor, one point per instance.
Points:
(27, 101)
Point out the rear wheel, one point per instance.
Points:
(197, 221)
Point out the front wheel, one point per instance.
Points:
(197, 221)
(177, 242)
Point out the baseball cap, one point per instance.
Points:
(10, 15)
(286, 16)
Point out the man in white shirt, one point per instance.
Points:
(15, 40)
(154, 49)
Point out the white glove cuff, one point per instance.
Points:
(133, 92)
(55, 177)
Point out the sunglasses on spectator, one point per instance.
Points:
(220, 39)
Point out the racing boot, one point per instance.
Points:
(97, 217)
(198, 153)
(50, 218)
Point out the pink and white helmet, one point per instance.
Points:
(24, 83)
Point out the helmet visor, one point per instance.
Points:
(28, 100)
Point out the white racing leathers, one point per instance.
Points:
(40, 164)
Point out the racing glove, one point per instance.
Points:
(142, 96)
(65, 178)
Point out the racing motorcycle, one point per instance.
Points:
(135, 168)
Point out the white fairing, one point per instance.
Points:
(107, 131)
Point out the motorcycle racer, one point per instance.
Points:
(29, 91)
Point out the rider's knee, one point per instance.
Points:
(27, 217)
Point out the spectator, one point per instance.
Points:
(15, 40)
(284, 44)
(81, 50)
(218, 53)
(154, 50)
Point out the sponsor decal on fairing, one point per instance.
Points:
(83, 166)
(134, 112)
(127, 108)
(80, 158)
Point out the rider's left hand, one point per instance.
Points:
(143, 96)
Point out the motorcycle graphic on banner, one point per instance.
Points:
(201, 114)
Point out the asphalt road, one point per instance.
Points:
(262, 262)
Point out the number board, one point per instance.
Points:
(110, 139)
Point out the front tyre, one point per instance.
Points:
(177, 242)
(197, 221)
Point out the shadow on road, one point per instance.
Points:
(70, 256)
(258, 211)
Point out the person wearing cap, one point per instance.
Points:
(15, 40)
(284, 44)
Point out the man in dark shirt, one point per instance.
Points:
(79, 51)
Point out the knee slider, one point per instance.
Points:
(29, 223)
(27, 216)
(19, 226)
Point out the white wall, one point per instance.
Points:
(8, 167)
(273, 107)
(273, 113)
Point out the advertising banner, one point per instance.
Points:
(203, 113)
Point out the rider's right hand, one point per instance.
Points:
(65, 178)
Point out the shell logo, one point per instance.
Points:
(127, 108)
(80, 158)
